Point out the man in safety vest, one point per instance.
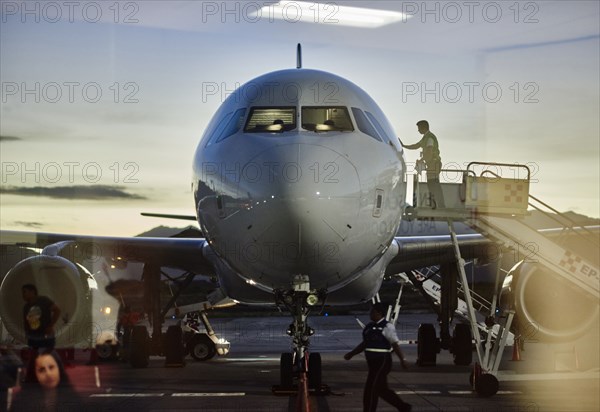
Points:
(379, 340)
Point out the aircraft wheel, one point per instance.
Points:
(106, 351)
(201, 348)
(486, 385)
(426, 345)
(286, 370)
(314, 371)
(174, 345)
(139, 347)
(462, 347)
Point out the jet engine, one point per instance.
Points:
(62, 281)
(548, 308)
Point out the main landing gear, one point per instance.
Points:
(300, 366)
(428, 345)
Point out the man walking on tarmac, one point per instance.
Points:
(379, 339)
(431, 156)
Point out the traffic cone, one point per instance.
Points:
(516, 355)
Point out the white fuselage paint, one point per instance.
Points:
(274, 205)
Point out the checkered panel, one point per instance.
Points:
(514, 193)
(570, 261)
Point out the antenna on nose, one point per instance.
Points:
(299, 56)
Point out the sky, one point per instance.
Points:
(103, 103)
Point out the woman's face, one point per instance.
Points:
(47, 372)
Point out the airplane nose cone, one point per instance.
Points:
(312, 188)
(305, 175)
(298, 211)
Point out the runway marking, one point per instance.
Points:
(497, 393)
(448, 408)
(454, 392)
(176, 395)
(126, 395)
(514, 377)
(207, 394)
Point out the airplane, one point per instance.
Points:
(299, 191)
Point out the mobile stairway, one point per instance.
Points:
(427, 280)
(495, 206)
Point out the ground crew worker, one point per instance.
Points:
(379, 339)
(431, 156)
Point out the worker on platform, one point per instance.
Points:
(433, 162)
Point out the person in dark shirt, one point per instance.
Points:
(379, 340)
(40, 315)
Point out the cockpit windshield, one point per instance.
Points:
(271, 120)
(326, 119)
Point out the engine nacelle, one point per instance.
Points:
(548, 308)
(60, 280)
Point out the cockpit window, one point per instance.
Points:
(233, 125)
(364, 125)
(378, 126)
(271, 120)
(217, 130)
(326, 119)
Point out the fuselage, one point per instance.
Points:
(299, 173)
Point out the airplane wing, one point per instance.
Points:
(420, 250)
(186, 254)
(179, 253)
(415, 252)
(66, 277)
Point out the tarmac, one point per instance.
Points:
(243, 380)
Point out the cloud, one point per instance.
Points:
(33, 225)
(543, 43)
(77, 192)
(9, 138)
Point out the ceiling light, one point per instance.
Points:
(329, 14)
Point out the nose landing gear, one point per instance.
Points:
(300, 365)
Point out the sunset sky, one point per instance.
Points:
(103, 105)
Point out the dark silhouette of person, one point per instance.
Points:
(379, 340)
(433, 161)
(10, 363)
(277, 126)
(50, 390)
(40, 315)
(127, 319)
